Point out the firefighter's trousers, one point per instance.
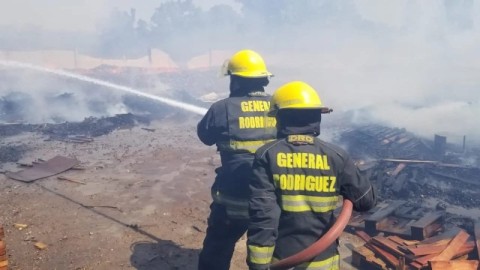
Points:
(222, 234)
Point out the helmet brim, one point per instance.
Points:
(249, 74)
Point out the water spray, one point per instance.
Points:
(59, 72)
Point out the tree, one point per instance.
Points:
(117, 34)
(175, 16)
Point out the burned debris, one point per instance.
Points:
(402, 235)
(78, 131)
(44, 169)
(92, 127)
(452, 249)
(411, 174)
(404, 166)
(11, 153)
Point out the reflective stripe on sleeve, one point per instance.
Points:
(260, 255)
(304, 203)
(332, 263)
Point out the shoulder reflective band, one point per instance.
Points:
(250, 146)
(260, 255)
(304, 203)
(332, 263)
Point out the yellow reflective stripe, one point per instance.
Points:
(310, 198)
(250, 146)
(304, 203)
(332, 263)
(260, 255)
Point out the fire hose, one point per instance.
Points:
(323, 243)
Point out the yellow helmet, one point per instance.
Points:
(248, 64)
(295, 95)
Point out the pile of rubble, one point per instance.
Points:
(400, 235)
(80, 132)
(11, 153)
(90, 127)
(451, 250)
(93, 127)
(403, 166)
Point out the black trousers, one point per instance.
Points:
(219, 244)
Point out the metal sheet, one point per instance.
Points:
(51, 167)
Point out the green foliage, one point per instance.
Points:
(184, 30)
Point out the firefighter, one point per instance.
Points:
(238, 126)
(296, 183)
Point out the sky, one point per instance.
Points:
(78, 15)
(83, 15)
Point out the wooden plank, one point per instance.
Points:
(398, 169)
(415, 265)
(374, 221)
(388, 257)
(358, 255)
(454, 265)
(4, 264)
(425, 259)
(363, 235)
(424, 249)
(393, 225)
(364, 258)
(436, 247)
(427, 225)
(396, 239)
(453, 247)
(410, 242)
(387, 245)
(444, 237)
(465, 249)
(477, 236)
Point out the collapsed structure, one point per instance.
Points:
(404, 231)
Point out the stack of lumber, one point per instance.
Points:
(3, 251)
(451, 250)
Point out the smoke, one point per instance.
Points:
(418, 70)
(402, 63)
(32, 97)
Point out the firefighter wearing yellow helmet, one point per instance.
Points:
(296, 183)
(238, 126)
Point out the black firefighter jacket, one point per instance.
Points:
(295, 187)
(238, 126)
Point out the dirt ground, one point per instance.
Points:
(144, 205)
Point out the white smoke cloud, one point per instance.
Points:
(78, 15)
(407, 63)
(32, 97)
(418, 71)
